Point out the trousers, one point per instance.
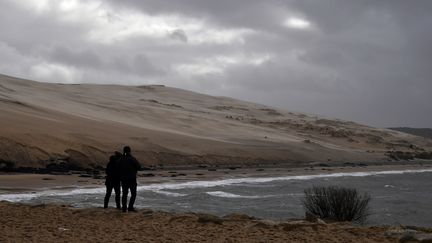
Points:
(128, 185)
(109, 187)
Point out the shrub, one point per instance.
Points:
(424, 155)
(6, 165)
(336, 203)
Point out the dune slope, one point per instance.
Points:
(80, 125)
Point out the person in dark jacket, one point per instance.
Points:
(128, 167)
(112, 180)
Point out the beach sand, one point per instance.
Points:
(57, 223)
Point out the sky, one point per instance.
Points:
(362, 60)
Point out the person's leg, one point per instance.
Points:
(133, 189)
(107, 195)
(125, 189)
(117, 195)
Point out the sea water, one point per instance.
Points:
(398, 197)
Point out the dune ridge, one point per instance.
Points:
(78, 125)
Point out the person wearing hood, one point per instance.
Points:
(128, 168)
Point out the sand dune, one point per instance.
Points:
(80, 125)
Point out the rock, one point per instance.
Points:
(208, 218)
(85, 175)
(407, 239)
(239, 217)
(290, 227)
(424, 238)
(60, 173)
(261, 225)
(148, 175)
(410, 235)
(404, 235)
(314, 219)
(320, 221)
(310, 217)
(146, 212)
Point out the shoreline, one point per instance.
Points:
(50, 222)
(28, 182)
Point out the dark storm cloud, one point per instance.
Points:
(179, 34)
(82, 58)
(366, 60)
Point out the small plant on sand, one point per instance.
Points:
(337, 203)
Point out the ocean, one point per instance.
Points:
(398, 197)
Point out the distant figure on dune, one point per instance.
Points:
(128, 168)
(112, 180)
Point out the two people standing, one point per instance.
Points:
(121, 172)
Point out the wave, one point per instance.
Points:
(17, 197)
(231, 195)
(161, 187)
(257, 180)
(172, 194)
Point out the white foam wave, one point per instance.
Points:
(17, 197)
(161, 187)
(255, 180)
(172, 194)
(230, 195)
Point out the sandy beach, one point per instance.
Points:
(59, 223)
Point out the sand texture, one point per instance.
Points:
(80, 125)
(51, 223)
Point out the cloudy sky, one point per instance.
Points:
(363, 60)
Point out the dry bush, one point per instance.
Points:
(337, 203)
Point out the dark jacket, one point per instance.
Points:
(112, 169)
(128, 167)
